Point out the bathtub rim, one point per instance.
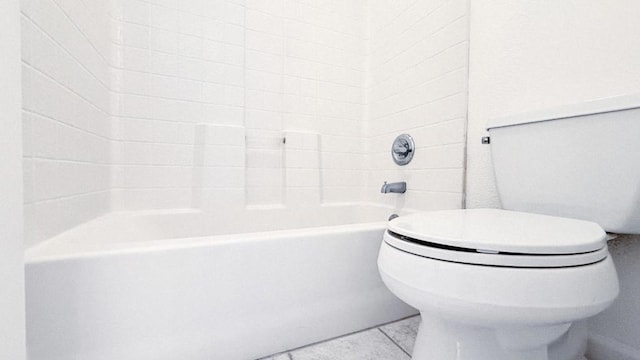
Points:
(49, 250)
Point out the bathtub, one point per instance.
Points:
(189, 286)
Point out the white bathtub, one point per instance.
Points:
(152, 286)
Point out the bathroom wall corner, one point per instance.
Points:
(12, 302)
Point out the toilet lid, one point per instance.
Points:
(498, 237)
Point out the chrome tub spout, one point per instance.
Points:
(396, 187)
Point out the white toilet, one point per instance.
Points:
(519, 283)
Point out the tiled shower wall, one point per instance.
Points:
(212, 96)
(65, 114)
(152, 104)
(418, 61)
(176, 64)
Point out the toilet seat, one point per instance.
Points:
(496, 237)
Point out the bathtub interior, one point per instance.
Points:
(136, 230)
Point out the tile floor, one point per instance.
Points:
(388, 342)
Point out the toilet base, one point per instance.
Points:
(440, 339)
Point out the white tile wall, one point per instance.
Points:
(303, 171)
(418, 85)
(148, 104)
(263, 68)
(219, 167)
(179, 64)
(65, 114)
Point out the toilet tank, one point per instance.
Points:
(579, 161)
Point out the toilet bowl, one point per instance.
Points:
(498, 285)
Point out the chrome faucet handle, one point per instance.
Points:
(403, 149)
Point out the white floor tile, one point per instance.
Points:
(368, 345)
(403, 332)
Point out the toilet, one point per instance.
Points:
(519, 283)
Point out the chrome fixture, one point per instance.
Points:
(402, 149)
(393, 216)
(396, 187)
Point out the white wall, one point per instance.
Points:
(417, 84)
(136, 105)
(12, 328)
(65, 117)
(176, 64)
(537, 54)
(205, 92)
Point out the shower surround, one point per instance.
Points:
(245, 100)
(194, 129)
(134, 105)
(141, 105)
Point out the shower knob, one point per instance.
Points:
(403, 149)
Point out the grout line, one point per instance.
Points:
(420, 63)
(64, 123)
(84, 35)
(64, 49)
(203, 102)
(346, 51)
(441, 76)
(447, 120)
(67, 161)
(122, 43)
(393, 341)
(124, 46)
(327, 28)
(390, 22)
(50, 78)
(410, 26)
(70, 196)
(383, 117)
(333, 338)
(445, 27)
(288, 352)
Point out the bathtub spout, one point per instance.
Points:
(396, 187)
